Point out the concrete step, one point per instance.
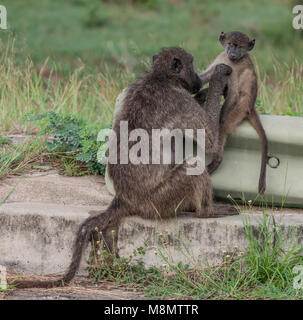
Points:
(196, 241)
(37, 238)
(39, 221)
(50, 187)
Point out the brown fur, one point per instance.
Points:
(240, 96)
(160, 99)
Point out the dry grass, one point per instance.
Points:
(25, 90)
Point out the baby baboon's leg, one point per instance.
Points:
(218, 156)
(229, 123)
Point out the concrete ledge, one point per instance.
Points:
(38, 238)
(194, 241)
(39, 221)
(50, 187)
(40, 218)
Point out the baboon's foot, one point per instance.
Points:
(205, 212)
(223, 69)
(219, 211)
(223, 210)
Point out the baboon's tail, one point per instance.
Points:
(254, 120)
(101, 220)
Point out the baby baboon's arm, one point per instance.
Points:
(206, 75)
(192, 116)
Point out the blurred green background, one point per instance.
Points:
(124, 34)
(75, 56)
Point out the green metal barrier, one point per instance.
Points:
(238, 174)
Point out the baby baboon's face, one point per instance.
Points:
(236, 44)
(177, 64)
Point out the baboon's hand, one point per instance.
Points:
(223, 69)
(220, 76)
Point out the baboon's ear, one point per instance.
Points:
(155, 57)
(176, 65)
(222, 37)
(251, 44)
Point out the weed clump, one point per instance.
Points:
(73, 141)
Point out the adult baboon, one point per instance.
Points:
(162, 98)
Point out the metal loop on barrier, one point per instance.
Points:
(273, 161)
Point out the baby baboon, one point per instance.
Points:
(162, 98)
(240, 96)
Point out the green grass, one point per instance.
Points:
(93, 49)
(15, 159)
(91, 96)
(24, 91)
(263, 271)
(122, 34)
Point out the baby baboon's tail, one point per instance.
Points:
(101, 220)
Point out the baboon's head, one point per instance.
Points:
(177, 65)
(236, 44)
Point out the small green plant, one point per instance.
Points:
(73, 140)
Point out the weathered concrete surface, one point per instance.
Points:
(52, 188)
(38, 237)
(195, 241)
(39, 220)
